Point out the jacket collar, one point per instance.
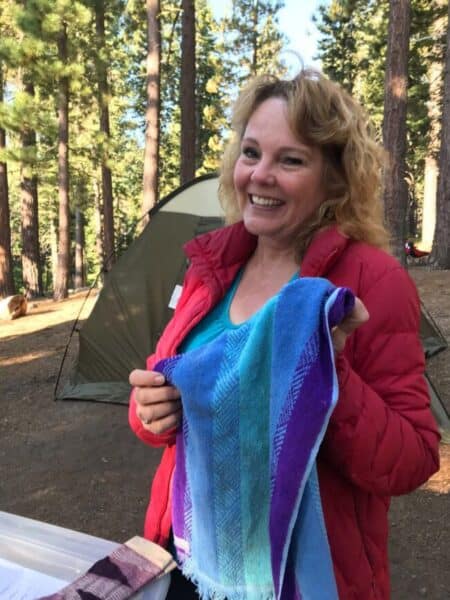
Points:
(225, 250)
(324, 250)
(223, 247)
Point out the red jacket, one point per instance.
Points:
(382, 439)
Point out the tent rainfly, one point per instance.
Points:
(132, 308)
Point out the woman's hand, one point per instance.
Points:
(158, 405)
(357, 317)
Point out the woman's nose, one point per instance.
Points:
(263, 174)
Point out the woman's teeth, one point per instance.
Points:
(261, 201)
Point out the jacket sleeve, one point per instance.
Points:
(382, 435)
(149, 438)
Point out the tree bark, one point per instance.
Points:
(6, 263)
(98, 220)
(62, 276)
(103, 99)
(394, 123)
(151, 151)
(440, 256)
(31, 267)
(187, 92)
(54, 249)
(79, 279)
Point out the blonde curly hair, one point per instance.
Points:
(321, 113)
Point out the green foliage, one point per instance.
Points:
(353, 52)
(29, 55)
(252, 39)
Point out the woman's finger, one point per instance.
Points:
(162, 425)
(357, 317)
(145, 396)
(142, 378)
(155, 412)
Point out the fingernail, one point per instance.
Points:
(159, 379)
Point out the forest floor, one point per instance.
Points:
(77, 464)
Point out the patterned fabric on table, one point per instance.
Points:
(247, 514)
(120, 575)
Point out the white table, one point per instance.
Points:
(58, 552)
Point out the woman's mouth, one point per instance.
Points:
(263, 201)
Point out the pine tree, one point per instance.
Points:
(31, 265)
(6, 264)
(212, 84)
(394, 124)
(361, 61)
(103, 102)
(187, 92)
(253, 40)
(24, 59)
(337, 45)
(151, 151)
(79, 277)
(63, 269)
(440, 257)
(435, 68)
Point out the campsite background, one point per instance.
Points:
(92, 114)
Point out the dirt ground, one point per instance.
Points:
(77, 464)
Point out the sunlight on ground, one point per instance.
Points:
(47, 313)
(440, 482)
(25, 358)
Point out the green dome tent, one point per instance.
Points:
(132, 308)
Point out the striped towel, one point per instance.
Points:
(247, 514)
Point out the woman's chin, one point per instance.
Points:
(255, 227)
(265, 230)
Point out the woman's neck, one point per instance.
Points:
(269, 259)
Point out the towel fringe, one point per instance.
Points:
(206, 591)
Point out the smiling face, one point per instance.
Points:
(277, 177)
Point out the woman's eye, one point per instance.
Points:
(249, 152)
(293, 160)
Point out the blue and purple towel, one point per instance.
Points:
(247, 514)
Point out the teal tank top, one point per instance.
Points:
(217, 320)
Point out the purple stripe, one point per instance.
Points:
(166, 366)
(308, 416)
(290, 589)
(343, 303)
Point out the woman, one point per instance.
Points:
(301, 182)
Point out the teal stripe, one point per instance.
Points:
(226, 462)
(254, 457)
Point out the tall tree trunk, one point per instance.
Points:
(6, 263)
(79, 279)
(54, 249)
(394, 123)
(62, 276)
(98, 221)
(440, 257)
(103, 99)
(435, 76)
(187, 95)
(31, 266)
(151, 152)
